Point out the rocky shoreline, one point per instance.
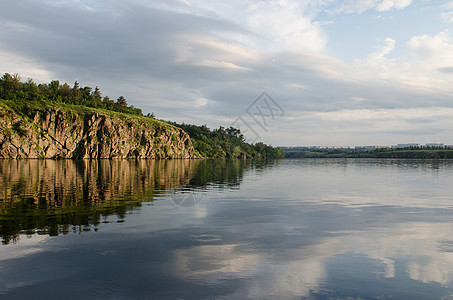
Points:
(61, 133)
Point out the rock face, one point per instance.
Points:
(58, 133)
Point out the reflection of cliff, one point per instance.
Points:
(46, 195)
(58, 196)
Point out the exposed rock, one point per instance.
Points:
(57, 133)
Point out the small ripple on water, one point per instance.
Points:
(205, 238)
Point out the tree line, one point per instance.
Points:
(433, 152)
(12, 88)
(226, 143)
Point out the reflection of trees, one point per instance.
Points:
(56, 197)
(221, 172)
(60, 196)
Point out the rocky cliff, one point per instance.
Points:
(64, 133)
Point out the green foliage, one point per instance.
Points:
(226, 143)
(22, 94)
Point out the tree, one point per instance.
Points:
(5, 86)
(53, 89)
(31, 89)
(121, 101)
(97, 95)
(233, 131)
(16, 81)
(86, 92)
(65, 92)
(76, 92)
(10, 84)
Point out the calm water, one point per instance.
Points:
(289, 229)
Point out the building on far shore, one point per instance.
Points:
(406, 145)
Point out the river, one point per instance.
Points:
(215, 229)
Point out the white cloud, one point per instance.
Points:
(285, 24)
(201, 101)
(426, 46)
(435, 113)
(220, 64)
(209, 51)
(25, 66)
(386, 5)
(429, 63)
(360, 6)
(447, 14)
(378, 58)
(432, 52)
(270, 24)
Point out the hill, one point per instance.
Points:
(58, 121)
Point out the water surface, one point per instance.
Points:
(211, 229)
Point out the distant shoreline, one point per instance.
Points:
(377, 153)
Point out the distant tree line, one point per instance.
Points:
(226, 143)
(11, 88)
(432, 152)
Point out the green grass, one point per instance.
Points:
(27, 110)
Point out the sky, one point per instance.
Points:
(287, 73)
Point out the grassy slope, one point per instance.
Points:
(28, 109)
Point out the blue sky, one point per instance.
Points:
(370, 72)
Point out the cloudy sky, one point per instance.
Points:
(357, 72)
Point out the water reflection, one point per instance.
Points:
(335, 229)
(305, 229)
(61, 196)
